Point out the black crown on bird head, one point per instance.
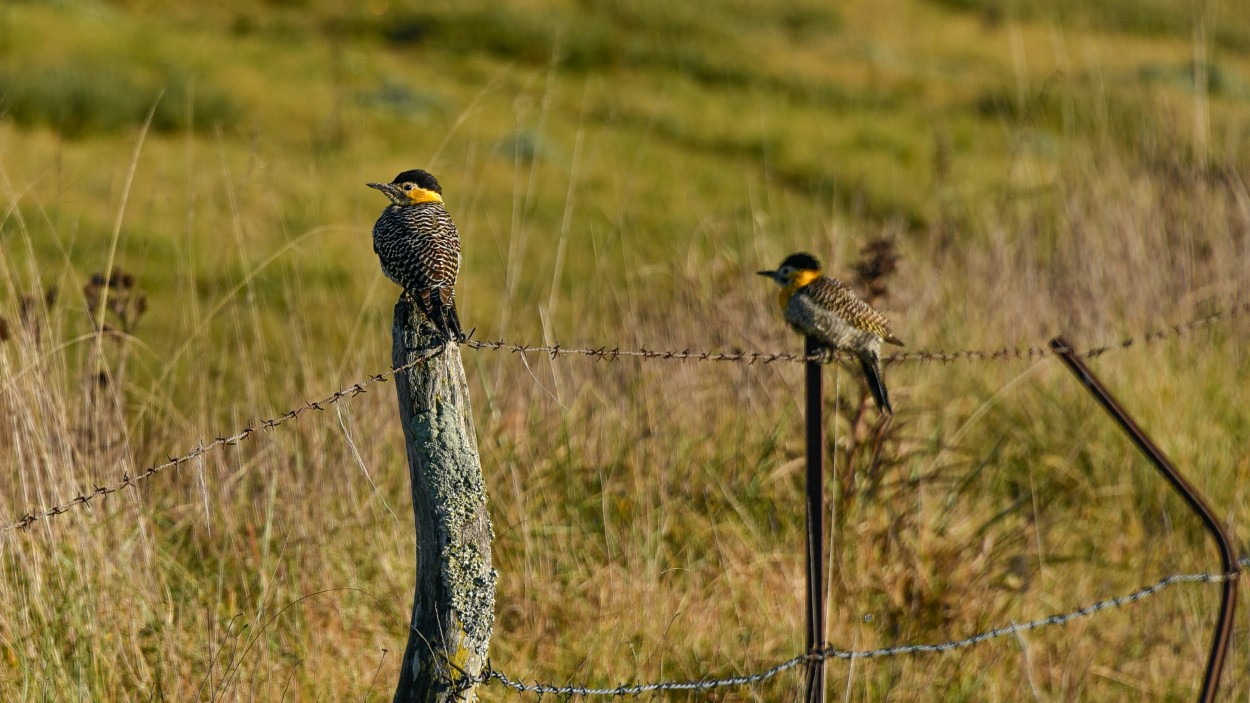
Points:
(423, 179)
(802, 261)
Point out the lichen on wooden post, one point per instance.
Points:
(453, 603)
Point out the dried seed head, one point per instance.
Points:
(878, 261)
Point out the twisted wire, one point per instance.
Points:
(1031, 353)
(705, 684)
(202, 448)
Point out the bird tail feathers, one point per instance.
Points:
(439, 307)
(872, 372)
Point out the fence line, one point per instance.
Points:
(605, 354)
(706, 684)
(1002, 354)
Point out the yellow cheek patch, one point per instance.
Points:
(421, 195)
(803, 278)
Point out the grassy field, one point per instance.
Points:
(618, 172)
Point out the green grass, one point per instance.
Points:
(618, 172)
(78, 101)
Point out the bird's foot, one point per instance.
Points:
(452, 336)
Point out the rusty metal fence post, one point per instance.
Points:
(1229, 561)
(815, 673)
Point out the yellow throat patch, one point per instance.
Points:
(801, 279)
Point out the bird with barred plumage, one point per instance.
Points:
(417, 243)
(827, 311)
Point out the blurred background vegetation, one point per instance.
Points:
(618, 171)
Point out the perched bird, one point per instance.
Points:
(826, 310)
(419, 248)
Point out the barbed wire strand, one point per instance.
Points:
(84, 498)
(706, 684)
(1003, 354)
(202, 448)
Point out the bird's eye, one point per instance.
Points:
(407, 187)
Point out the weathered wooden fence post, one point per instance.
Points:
(453, 606)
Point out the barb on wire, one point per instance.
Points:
(706, 684)
(1004, 354)
(201, 448)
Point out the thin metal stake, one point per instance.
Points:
(815, 526)
(1228, 555)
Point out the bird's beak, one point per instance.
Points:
(391, 191)
(770, 274)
